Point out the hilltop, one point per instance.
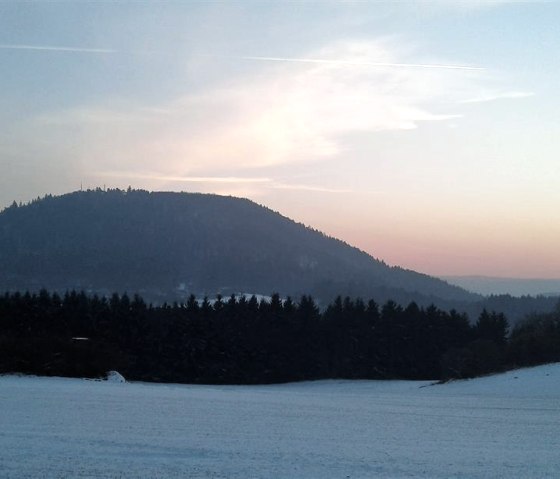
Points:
(168, 245)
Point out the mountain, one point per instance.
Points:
(167, 245)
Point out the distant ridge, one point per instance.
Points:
(487, 285)
(167, 245)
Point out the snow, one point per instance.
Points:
(498, 426)
(116, 377)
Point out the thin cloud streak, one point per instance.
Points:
(264, 181)
(186, 179)
(319, 189)
(52, 48)
(500, 96)
(359, 63)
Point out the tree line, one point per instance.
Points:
(240, 340)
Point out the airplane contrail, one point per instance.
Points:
(52, 48)
(359, 63)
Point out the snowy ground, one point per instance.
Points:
(502, 426)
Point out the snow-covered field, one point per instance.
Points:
(502, 426)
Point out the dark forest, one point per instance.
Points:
(241, 340)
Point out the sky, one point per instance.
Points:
(425, 133)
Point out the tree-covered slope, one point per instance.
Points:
(177, 243)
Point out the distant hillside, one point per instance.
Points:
(512, 286)
(167, 245)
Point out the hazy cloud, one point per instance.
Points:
(287, 112)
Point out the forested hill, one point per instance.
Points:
(169, 245)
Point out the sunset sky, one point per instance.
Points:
(425, 133)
